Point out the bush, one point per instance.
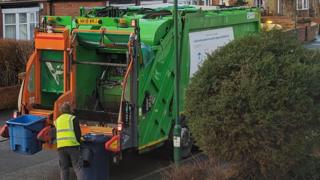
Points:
(13, 57)
(211, 169)
(257, 102)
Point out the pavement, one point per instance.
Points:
(44, 164)
(314, 44)
(13, 166)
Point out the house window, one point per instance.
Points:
(19, 23)
(302, 4)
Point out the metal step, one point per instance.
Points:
(97, 130)
(42, 112)
(97, 116)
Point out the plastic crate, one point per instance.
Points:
(23, 133)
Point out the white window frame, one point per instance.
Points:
(16, 11)
(302, 3)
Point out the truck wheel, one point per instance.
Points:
(186, 142)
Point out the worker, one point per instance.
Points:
(68, 143)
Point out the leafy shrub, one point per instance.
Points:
(257, 102)
(13, 57)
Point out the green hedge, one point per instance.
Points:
(257, 102)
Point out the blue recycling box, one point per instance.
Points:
(23, 133)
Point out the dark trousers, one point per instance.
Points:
(70, 156)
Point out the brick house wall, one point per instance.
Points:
(1, 28)
(72, 8)
(46, 9)
(303, 13)
(232, 2)
(287, 8)
(215, 2)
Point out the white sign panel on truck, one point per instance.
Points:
(205, 42)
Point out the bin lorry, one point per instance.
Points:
(115, 66)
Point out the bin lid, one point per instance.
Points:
(95, 138)
(26, 120)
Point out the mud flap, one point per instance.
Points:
(47, 135)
